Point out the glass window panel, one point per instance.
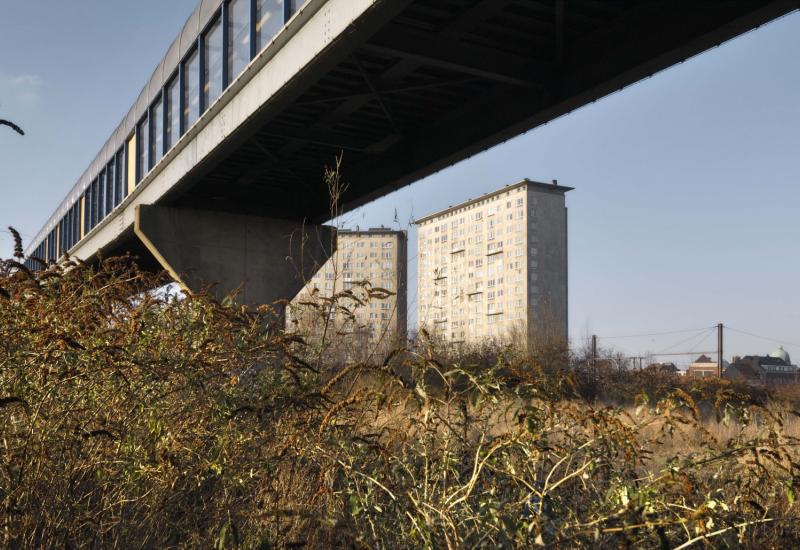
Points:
(297, 4)
(90, 207)
(191, 92)
(173, 112)
(238, 37)
(212, 78)
(101, 195)
(157, 138)
(120, 176)
(87, 200)
(143, 148)
(110, 187)
(269, 20)
(94, 203)
(87, 212)
(76, 218)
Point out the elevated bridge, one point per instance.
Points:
(222, 156)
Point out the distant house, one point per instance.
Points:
(746, 372)
(774, 369)
(703, 367)
(664, 368)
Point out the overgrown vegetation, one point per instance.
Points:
(130, 418)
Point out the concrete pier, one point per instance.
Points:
(268, 259)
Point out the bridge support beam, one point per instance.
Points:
(269, 259)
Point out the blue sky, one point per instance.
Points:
(686, 210)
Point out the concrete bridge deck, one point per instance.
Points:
(400, 88)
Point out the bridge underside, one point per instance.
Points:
(417, 85)
(441, 81)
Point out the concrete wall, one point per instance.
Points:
(548, 277)
(266, 259)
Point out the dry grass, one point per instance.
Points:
(137, 419)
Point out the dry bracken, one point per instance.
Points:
(138, 418)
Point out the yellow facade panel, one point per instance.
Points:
(131, 163)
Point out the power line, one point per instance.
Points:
(641, 335)
(680, 353)
(693, 338)
(763, 337)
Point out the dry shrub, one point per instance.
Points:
(137, 418)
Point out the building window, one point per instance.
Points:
(87, 211)
(157, 127)
(101, 196)
(110, 186)
(238, 37)
(66, 227)
(212, 63)
(191, 90)
(269, 20)
(173, 110)
(76, 220)
(142, 149)
(95, 215)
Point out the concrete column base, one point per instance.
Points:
(269, 259)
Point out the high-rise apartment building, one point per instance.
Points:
(367, 275)
(495, 267)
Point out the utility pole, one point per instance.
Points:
(594, 356)
(719, 350)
